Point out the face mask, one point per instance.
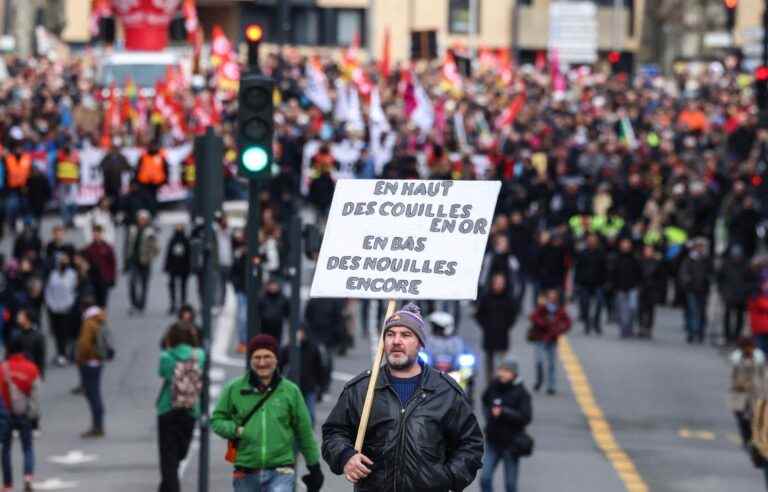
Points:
(551, 307)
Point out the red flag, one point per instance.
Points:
(508, 116)
(409, 93)
(224, 60)
(385, 61)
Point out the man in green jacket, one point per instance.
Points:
(266, 458)
(178, 405)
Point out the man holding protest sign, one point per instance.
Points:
(422, 433)
(406, 239)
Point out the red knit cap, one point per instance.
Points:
(263, 341)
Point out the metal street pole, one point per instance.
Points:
(765, 34)
(253, 280)
(295, 354)
(209, 151)
(516, 32)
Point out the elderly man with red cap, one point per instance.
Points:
(262, 416)
(422, 435)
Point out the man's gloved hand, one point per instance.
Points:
(314, 479)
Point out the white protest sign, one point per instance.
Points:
(405, 239)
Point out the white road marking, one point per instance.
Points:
(214, 391)
(54, 484)
(75, 457)
(192, 450)
(217, 374)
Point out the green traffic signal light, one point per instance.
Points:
(255, 159)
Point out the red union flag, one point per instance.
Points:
(145, 22)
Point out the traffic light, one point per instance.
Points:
(761, 87)
(255, 125)
(730, 13)
(253, 35)
(614, 57)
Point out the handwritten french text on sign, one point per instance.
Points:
(405, 239)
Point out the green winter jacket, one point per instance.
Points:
(168, 360)
(268, 438)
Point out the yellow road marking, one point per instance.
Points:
(598, 424)
(692, 434)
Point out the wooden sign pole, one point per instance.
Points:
(368, 404)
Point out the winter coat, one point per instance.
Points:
(652, 279)
(547, 327)
(24, 374)
(113, 166)
(33, 345)
(504, 263)
(238, 271)
(178, 255)
(589, 270)
(61, 291)
(145, 251)
(496, 314)
(315, 373)
(325, 320)
(551, 266)
(168, 360)
(269, 437)
(694, 274)
(734, 281)
(101, 256)
(86, 349)
(431, 444)
(516, 413)
(626, 273)
(273, 309)
(758, 314)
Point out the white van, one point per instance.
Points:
(145, 68)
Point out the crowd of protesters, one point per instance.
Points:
(619, 193)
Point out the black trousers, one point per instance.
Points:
(174, 435)
(177, 288)
(139, 283)
(60, 328)
(733, 322)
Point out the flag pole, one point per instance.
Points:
(368, 404)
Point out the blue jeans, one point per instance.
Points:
(15, 207)
(511, 467)
(91, 378)
(24, 426)
(695, 314)
(591, 301)
(310, 399)
(241, 317)
(67, 202)
(265, 481)
(545, 358)
(762, 343)
(626, 310)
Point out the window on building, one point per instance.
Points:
(349, 23)
(459, 16)
(305, 26)
(315, 26)
(612, 3)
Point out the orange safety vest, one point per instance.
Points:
(67, 168)
(17, 170)
(151, 170)
(188, 172)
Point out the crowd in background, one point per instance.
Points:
(618, 193)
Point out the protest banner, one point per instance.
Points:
(403, 239)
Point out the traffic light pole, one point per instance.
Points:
(765, 34)
(295, 354)
(209, 151)
(254, 268)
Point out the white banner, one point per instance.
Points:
(405, 239)
(91, 188)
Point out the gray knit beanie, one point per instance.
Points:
(408, 317)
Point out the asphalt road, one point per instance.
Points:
(662, 402)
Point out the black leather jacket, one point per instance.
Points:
(434, 444)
